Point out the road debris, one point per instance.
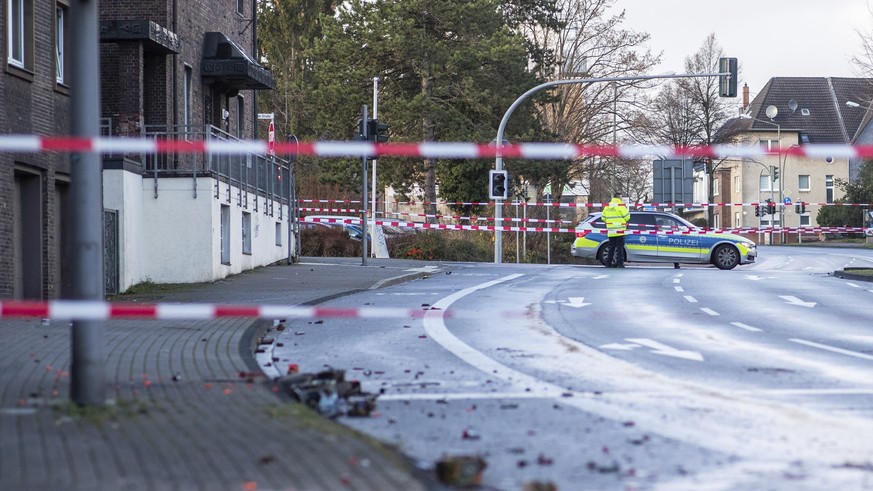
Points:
(329, 393)
(464, 470)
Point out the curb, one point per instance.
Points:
(847, 274)
(260, 327)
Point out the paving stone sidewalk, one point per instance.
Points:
(186, 410)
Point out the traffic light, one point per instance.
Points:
(800, 208)
(774, 171)
(498, 184)
(362, 130)
(771, 207)
(727, 84)
(757, 211)
(377, 131)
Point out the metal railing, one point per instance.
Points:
(265, 176)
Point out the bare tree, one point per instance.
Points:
(689, 111)
(864, 61)
(591, 44)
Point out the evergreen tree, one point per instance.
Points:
(859, 190)
(448, 70)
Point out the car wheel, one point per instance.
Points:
(726, 257)
(601, 254)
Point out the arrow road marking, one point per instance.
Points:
(663, 349)
(571, 302)
(796, 301)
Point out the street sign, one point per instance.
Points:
(270, 116)
(787, 200)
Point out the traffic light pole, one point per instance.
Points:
(364, 135)
(501, 130)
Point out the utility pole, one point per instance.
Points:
(87, 373)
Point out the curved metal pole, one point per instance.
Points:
(498, 163)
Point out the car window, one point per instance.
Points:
(664, 222)
(597, 223)
(641, 221)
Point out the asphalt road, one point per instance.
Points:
(643, 378)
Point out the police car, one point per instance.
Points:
(654, 236)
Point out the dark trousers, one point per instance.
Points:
(615, 251)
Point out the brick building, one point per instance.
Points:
(169, 69)
(33, 187)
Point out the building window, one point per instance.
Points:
(278, 233)
(804, 220)
(738, 220)
(188, 99)
(715, 187)
(225, 234)
(246, 233)
(769, 145)
(829, 188)
(61, 38)
(716, 221)
(764, 183)
(19, 33)
(240, 6)
(803, 183)
(737, 183)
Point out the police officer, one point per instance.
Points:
(616, 216)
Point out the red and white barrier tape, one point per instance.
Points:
(457, 150)
(492, 228)
(591, 205)
(425, 215)
(95, 310)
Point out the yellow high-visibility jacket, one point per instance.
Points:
(616, 216)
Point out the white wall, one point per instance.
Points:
(121, 192)
(176, 237)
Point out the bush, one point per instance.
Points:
(328, 242)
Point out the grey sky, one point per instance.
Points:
(771, 38)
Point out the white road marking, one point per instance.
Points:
(676, 280)
(842, 351)
(436, 396)
(662, 349)
(435, 327)
(575, 302)
(709, 311)
(690, 299)
(792, 300)
(745, 326)
(600, 277)
(853, 285)
(679, 289)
